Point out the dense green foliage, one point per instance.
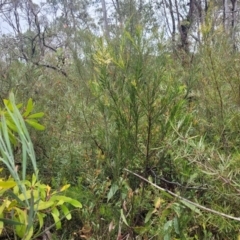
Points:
(25, 204)
(145, 132)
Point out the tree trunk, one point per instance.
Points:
(225, 14)
(233, 23)
(105, 19)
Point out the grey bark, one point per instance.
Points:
(233, 22)
(225, 14)
(105, 18)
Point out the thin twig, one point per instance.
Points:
(184, 199)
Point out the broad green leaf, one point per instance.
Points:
(148, 216)
(112, 191)
(65, 187)
(56, 220)
(2, 207)
(21, 215)
(34, 179)
(167, 236)
(8, 104)
(29, 108)
(28, 195)
(66, 212)
(29, 234)
(44, 205)
(41, 217)
(168, 225)
(36, 115)
(7, 184)
(27, 183)
(5, 101)
(11, 125)
(20, 230)
(1, 226)
(22, 218)
(12, 204)
(16, 190)
(35, 124)
(73, 202)
(56, 212)
(19, 105)
(61, 202)
(157, 202)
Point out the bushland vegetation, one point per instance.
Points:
(141, 126)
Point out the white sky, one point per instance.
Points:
(4, 26)
(6, 29)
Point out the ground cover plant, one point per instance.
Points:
(25, 204)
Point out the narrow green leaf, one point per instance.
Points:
(31, 212)
(176, 225)
(192, 207)
(10, 222)
(29, 108)
(65, 187)
(5, 101)
(148, 216)
(12, 138)
(1, 227)
(19, 105)
(8, 104)
(15, 197)
(41, 217)
(56, 212)
(11, 125)
(56, 220)
(35, 124)
(66, 212)
(123, 218)
(36, 115)
(34, 179)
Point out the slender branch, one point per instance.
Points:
(105, 18)
(44, 42)
(184, 199)
(52, 67)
